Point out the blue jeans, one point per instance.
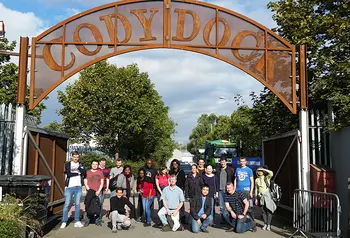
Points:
(147, 208)
(213, 210)
(205, 223)
(99, 218)
(222, 203)
(68, 194)
(240, 225)
(102, 199)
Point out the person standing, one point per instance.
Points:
(173, 199)
(105, 171)
(94, 180)
(201, 167)
(75, 173)
(244, 180)
(201, 209)
(125, 181)
(118, 169)
(150, 171)
(237, 206)
(210, 179)
(263, 197)
(139, 190)
(162, 181)
(180, 182)
(148, 195)
(224, 175)
(193, 184)
(118, 215)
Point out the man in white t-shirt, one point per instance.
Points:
(75, 174)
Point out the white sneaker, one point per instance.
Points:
(264, 227)
(268, 228)
(63, 225)
(78, 224)
(176, 226)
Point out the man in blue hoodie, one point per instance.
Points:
(75, 174)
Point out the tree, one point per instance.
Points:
(120, 108)
(9, 80)
(53, 126)
(269, 116)
(324, 27)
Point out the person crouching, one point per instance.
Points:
(117, 214)
(201, 209)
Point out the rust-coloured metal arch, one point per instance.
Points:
(132, 25)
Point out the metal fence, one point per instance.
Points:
(316, 213)
(7, 130)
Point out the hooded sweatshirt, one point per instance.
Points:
(260, 185)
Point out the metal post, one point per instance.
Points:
(20, 107)
(305, 157)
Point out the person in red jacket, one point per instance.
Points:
(148, 193)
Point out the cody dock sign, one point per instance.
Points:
(128, 26)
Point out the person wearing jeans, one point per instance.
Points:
(201, 209)
(224, 174)
(237, 206)
(75, 174)
(148, 195)
(173, 199)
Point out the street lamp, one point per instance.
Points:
(2, 29)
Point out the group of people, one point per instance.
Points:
(236, 192)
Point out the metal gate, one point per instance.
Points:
(281, 154)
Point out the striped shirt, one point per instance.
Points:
(236, 201)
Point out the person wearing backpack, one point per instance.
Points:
(263, 195)
(94, 181)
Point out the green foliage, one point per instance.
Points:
(269, 116)
(87, 159)
(53, 126)
(121, 109)
(14, 218)
(324, 27)
(9, 80)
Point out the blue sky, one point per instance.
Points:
(188, 88)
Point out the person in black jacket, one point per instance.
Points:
(75, 174)
(193, 184)
(150, 171)
(201, 208)
(224, 174)
(180, 182)
(118, 216)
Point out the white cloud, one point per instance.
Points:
(189, 83)
(21, 23)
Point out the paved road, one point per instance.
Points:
(137, 230)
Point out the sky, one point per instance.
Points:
(190, 84)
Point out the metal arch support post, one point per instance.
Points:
(304, 121)
(20, 107)
(304, 144)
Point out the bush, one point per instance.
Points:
(10, 229)
(87, 159)
(15, 218)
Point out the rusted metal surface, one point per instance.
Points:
(22, 70)
(132, 25)
(303, 77)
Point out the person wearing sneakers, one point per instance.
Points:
(75, 174)
(263, 195)
(173, 199)
(201, 209)
(117, 214)
(237, 206)
(94, 180)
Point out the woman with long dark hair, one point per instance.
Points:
(162, 181)
(126, 181)
(139, 190)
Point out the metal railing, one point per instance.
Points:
(316, 213)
